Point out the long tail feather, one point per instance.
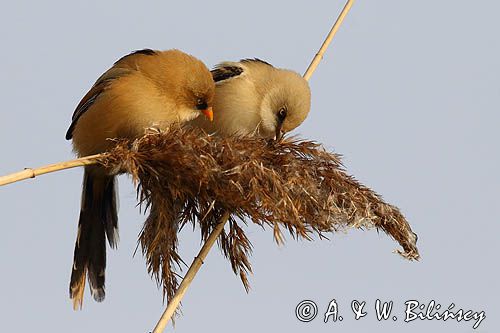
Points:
(98, 221)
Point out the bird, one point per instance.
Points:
(254, 98)
(146, 89)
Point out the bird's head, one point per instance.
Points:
(285, 104)
(197, 93)
(185, 80)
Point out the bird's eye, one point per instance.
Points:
(201, 104)
(282, 114)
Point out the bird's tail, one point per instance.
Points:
(98, 221)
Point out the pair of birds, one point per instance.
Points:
(155, 89)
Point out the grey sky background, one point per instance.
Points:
(409, 93)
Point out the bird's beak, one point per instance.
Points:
(279, 134)
(208, 113)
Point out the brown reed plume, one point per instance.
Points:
(185, 176)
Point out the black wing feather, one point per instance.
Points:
(222, 73)
(226, 71)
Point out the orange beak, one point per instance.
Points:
(208, 113)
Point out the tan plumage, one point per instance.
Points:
(145, 89)
(254, 98)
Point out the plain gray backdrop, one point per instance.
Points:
(409, 93)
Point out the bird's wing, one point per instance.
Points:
(229, 70)
(123, 66)
(97, 89)
(226, 70)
